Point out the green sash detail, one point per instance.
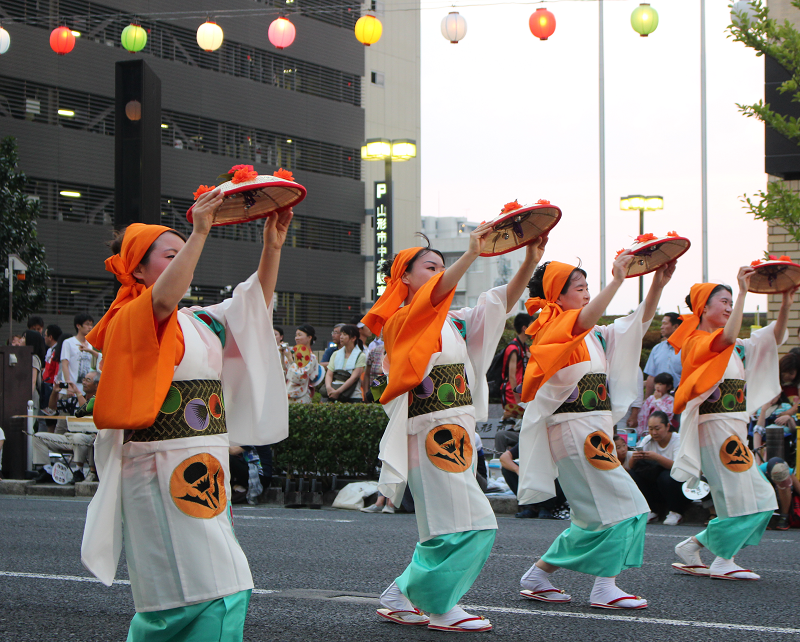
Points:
(590, 394)
(730, 396)
(445, 387)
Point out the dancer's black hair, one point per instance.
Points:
(386, 266)
(535, 286)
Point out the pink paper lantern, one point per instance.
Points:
(281, 33)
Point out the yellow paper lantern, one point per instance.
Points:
(209, 36)
(368, 30)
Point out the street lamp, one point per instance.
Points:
(398, 150)
(643, 204)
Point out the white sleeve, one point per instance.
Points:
(252, 377)
(761, 366)
(484, 327)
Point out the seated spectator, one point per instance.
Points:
(326, 356)
(552, 508)
(787, 488)
(624, 455)
(343, 379)
(661, 399)
(777, 412)
(81, 444)
(788, 369)
(246, 474)
(651, 466)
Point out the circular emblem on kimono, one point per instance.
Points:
(599, 451)
(196, 415)
(215, 406)
(602, 391)
(172, 401)
(589, 400)
(446, 394)
(735, 455)
(460, 384)
(197, 486)
(424, 389)
(449, 448)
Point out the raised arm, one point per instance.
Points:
(452, 275)
(660, 279)
(593, 310)
(734, 324)
(516, 286)
(276, 227)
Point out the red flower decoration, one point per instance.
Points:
(672, 234)
(510, 207)
(543, 201)
(785, 258)
(643, 238)
(243, 173)
(202, 190)
(756, 263)
(284, 174)
(772, 257)
(624, 249)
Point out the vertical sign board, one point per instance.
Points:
(383, 233)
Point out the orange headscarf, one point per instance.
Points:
(554, 346)
(138, 356)
(702, 367)
(411, 333)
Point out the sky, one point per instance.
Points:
(506, 116)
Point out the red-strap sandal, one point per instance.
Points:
(396, 617)
(731, 575)
(697, 570)
(613, 603)
(455, 627)
(542, 596)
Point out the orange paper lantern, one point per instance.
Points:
(542, 24)
(62, 40)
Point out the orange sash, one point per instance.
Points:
(554, 344)
(411, 333)
(139, 356)
(702, 367)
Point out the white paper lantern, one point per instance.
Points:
(454, 27)
(209, 36)
(5, 41)
(743, 6)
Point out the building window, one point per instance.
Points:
(378, 78)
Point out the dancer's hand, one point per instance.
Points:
(620, 268)
(205, 210)
(743, 278)
(535, 250)
(478, 238)
(276, 228)
(664, 274)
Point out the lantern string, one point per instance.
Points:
(170, 16)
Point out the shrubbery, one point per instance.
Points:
(332, 439)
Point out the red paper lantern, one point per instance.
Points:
(281, 33)
(542, 24)
(62, 40)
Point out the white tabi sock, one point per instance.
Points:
(537, 579)
(456, 614)
(394, 600)
(722, 567)
(689, 552)
(605, 591)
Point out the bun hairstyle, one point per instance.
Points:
(661, 416)
(119, 235)
(535, 286)
(352, 332)
(716, 290)
(386, 266)
(309, 330)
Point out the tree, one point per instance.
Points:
(779, 204)
(18, 234)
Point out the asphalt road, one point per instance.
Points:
(318, 574)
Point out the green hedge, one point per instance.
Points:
(331, 439)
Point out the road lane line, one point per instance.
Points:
(293, 519)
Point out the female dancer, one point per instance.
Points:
(180, 382)
(725, 379)
(436, 362)
(581, 379)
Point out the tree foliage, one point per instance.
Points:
(18, 235)
(779, 204)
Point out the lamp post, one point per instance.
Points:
(16, 269)
(398, 150)
(643, 204)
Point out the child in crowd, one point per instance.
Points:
(661, 399)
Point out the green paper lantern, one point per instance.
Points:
(133, 38)
(644, 20)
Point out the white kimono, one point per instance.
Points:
(735, 492)
(553, 445)
(450, 502)
(174, 559)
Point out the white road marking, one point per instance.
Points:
(64, 578)
(293, 519)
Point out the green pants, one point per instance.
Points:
(444, 568)
(603, 553)
(727, 536)
(220, 620)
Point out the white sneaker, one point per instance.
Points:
(371, 509)
(651, 517)
(673, 519)
(388, 509)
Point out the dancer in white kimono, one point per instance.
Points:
(580, 380)
(725, 379)
(436, 362)
(182, 385)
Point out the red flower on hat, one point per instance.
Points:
(242, 173)
(510, 207)
(202, 190)
(285, 174)
(543, 201)
(624, 249)
(672, 234)
(643, 238)
(756, 263)
(785, 258)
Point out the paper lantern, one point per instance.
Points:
(133, 110)
(644, 20)
(281, 33)
(368, 30)
(209, 36)
(745, 7)
(542, 23)
(133, 38)
(62, 41)
(5, 41)
(454, 27)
